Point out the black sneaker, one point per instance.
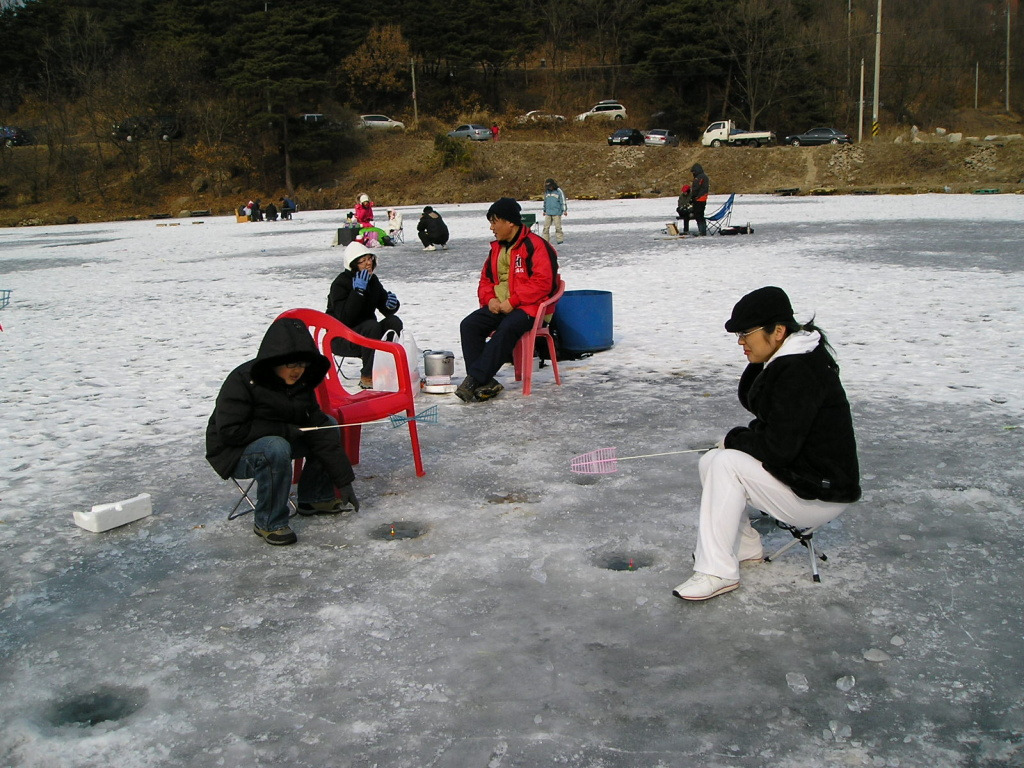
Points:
(466, 389)
(279, 538)
(488, 390)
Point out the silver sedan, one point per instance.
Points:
(472, 132)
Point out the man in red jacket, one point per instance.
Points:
(521, 271)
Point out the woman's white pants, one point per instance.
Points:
(732, 480)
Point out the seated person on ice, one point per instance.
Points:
(364, 211)
(797, 460)
(254, 432)
(684, 207)
(287, 207)
(356, 296)
(394, 222)
(520, 272)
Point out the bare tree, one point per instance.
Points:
(763, 39)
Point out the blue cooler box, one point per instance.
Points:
(583, 321)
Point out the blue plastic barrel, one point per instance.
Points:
(583, 321)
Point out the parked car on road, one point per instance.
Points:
(12, 136)
(818, 136)
(608, 109)
(380, 122)
(725, 132)
(626, 136)
(539, 116)
(472, 132)
(660, 137)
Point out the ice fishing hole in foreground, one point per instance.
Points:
(406, 529)
(107, 703)
(624, 561)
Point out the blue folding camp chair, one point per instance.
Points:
(720, 218)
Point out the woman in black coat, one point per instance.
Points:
(797, 459)
(356, 296)
(255, 431)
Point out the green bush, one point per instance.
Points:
(452, 152)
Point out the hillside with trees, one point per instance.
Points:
(237, 76)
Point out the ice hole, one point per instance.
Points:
(105, 704)
(619, 561)
(401, 530)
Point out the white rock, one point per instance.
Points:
(797, 682)
(846, 683)
(876, 654)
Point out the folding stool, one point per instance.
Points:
(296, 474)
(804, 537)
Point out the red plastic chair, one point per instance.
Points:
(364, 405)
(522, 357)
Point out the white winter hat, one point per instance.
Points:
(364, 198)
(354, 251)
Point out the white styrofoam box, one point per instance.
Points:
(103, 517)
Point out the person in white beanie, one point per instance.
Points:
(356, 296)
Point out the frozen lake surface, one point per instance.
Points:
(506, 634)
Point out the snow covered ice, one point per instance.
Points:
(501, 635)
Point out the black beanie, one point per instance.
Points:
(428, 209)
(506, 208)
(761, 307)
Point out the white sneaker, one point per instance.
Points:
(430, 248)
(444, 246)
(703, 586)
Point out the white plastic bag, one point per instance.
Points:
(385, 374)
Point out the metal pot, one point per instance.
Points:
(438, 363)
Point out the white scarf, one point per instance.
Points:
(799, 343)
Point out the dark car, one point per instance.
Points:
(164, 127)
(12, 136)
(819, 136)
(628, 136)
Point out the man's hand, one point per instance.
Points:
(494, 306)
(505, 307)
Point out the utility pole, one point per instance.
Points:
(415, 109)
(1007, 56)
(849, 32)
(878, 61)
(860, 106)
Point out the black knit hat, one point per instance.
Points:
(507, 209)
(428, 209)
(761, 307)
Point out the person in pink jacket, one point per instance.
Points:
(364, 211)
(520, 272)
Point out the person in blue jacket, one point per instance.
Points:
(797, 459)
(554, 209)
